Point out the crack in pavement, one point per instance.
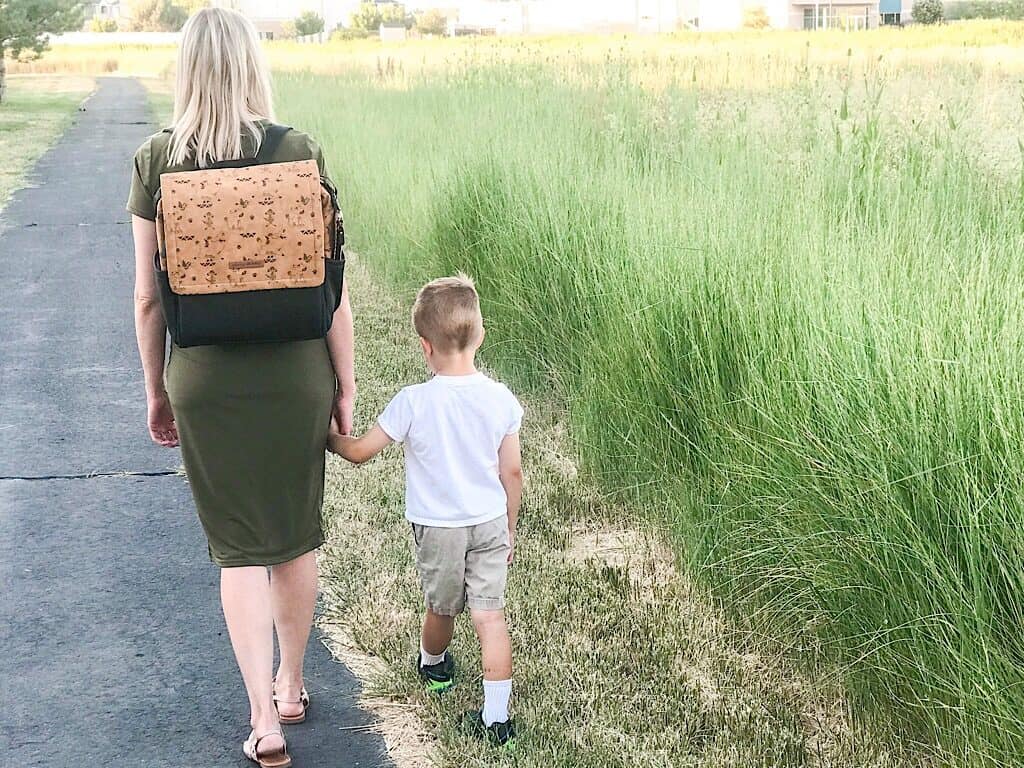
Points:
(73, 224)
(94, 475)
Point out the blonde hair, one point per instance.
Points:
(447, 313)
(222, 89)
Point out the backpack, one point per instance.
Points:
(249, 250)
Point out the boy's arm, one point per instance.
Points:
(357, 449)
(510, 472)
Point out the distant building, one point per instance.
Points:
(106, 10)
(653, 16)
(505, 17)
(800, 14)
(393, 32)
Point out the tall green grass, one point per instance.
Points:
(788, 321)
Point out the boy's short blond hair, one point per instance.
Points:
(447, 313)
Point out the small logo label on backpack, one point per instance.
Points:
(247, 264)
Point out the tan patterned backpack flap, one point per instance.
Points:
(261, 227)
(249, 250)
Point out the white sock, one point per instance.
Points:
(429, 659)
(496, 696)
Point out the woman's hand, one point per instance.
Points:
(344, 403)
(162, 428)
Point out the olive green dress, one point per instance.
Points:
(252, 418)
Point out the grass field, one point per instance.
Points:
(35, 113)
(607, 619)
(773, 279)
(621, 661)
(780, 302)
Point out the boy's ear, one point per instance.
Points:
(428, 350)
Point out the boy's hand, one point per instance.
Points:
(336, 441)
(511, 545)
(342, 445)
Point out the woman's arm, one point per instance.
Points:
(151, 334)
(341, 345)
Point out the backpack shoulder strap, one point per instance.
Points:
(272, 136)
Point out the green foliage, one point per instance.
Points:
(432, 22)
(99, 24)
(928, 11)
(157, 16)
(366, 18)
(985, 9)
(755, 17)
(24, 24)
(344, 34)
(309, 23)
(370, 16)
(795, 337)
(395, 13)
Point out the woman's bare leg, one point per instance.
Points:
(245, 595)
(293, 588)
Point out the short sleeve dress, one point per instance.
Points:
(252, 418)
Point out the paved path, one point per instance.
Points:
(113, 650)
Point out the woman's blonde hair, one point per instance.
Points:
(222, 89)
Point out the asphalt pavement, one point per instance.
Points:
(113, 649)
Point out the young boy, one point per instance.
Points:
(463, 488)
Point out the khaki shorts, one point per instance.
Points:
(463, 566)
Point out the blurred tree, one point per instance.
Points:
(432, 22)
(157, 16)
(1009, 10)
(755, 17)
(928, 11)
(98, 24)
(395, 13)
(370, 16)
(309, 23)
(367, 18)
(24, 25)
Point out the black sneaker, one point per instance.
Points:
(498, 734)
(438, 678)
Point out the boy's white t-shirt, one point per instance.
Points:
(452, 427)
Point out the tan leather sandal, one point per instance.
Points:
(278, 758)
(292, 719)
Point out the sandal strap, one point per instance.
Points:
(256, 744)
(251, 747)
(303, 697)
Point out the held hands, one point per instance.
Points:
(337, 440)
(160, 418)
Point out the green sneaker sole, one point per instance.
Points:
(436, 686)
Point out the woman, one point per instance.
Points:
(252, 418)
